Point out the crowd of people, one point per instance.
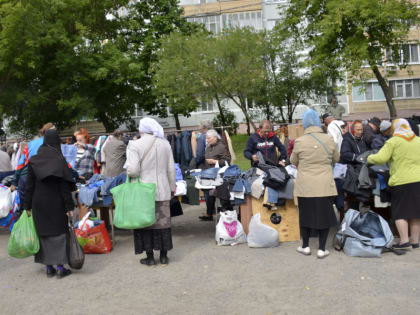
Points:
(46, 180)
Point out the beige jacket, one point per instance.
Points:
(157, 167)
(315, 173)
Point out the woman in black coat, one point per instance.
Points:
(48, 197)
(353, 144)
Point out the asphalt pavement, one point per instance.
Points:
(203, 278)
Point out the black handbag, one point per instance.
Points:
(75, 253)
(176, 208)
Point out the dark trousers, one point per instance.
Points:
(339, 200)
(211, 203)
(306, 232)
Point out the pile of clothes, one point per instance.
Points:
(363, 181)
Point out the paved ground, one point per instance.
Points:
(203, 278)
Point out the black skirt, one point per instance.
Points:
(147, 240)
(405, 201)
(52, 250)
(317, 212)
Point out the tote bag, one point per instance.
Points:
(134, 205)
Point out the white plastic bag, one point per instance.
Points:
(261, 235)
(6, 201)
(229, 230)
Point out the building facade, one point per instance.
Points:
(369, 100)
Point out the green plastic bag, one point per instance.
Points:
(24, 240)
(134, 205)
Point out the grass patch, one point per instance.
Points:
(239, 143)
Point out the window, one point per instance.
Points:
(409, 53)
(370, 92)
(400, 88)
(137, 112)
(406, 88)
(207, 105)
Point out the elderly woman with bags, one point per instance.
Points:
(151, 160)
(48, 198)
(402, 152)
(315, 154)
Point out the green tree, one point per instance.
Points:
(287, 83)
(55, 67)
(67, 60)
(345, 35)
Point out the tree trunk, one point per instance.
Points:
(220, 107)
(108, 123)
(177, 124)
(389, 94)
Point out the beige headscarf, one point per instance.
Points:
(401, 128)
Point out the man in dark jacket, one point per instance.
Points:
(385, 133)
(370, 130)
(353, 144)
(266, 142)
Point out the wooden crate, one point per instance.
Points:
(288, 229)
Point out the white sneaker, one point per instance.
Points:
(322, 254)
(305, 251)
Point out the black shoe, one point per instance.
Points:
(149, 261)
(415, 246)
(164, 260)
(51, 272)
(406, 246)
(61, 273)
(206, 218)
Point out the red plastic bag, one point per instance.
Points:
(94, 240)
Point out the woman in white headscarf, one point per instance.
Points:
(150, 159)
(402, 152)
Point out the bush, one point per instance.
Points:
(230, 121)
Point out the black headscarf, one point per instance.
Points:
(49, 161)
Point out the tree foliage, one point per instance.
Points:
(203, 66)
(344, 35)
(66, 60)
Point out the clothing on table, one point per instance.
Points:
(267, 146)
(115, 157)
(351, 148)
(405, 201)
(52, 250)
(351, 184)
(4, 175)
